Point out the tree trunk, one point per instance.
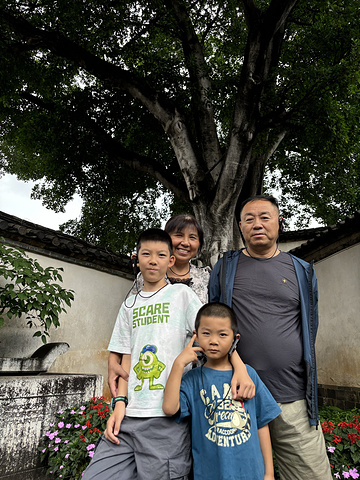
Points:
(220, 230)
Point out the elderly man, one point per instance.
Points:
(275, 298)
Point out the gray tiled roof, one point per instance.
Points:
(330, 240)
(46, 241)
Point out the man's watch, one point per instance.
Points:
(118, 399)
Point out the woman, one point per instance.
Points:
(187, 238)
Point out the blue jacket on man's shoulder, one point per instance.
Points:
(308, 291)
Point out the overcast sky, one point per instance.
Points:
(15, 199)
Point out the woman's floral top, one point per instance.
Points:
(198, 282)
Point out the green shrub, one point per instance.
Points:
(31, 290)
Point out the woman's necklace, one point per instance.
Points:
(178, 274)
(261, 258)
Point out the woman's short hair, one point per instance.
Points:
(179, 222)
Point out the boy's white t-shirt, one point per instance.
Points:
(154, 329)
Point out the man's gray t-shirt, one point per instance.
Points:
(267, 307)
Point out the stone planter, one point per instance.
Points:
(29, 398)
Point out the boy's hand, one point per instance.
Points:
(115, 371)
(114, 422)
(243, 386)
(188, 355)
(171, 401)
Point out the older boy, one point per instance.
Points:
(230, 439)
(150, 330)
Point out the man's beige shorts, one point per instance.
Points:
(299, 449)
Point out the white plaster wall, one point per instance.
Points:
(286, 246)
(87, 326)
(338, 340)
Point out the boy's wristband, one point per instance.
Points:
(118, 399)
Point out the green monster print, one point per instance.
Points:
(149, 366)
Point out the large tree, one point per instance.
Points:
(124, 100)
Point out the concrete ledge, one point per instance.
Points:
(27, 407)
(39, 362)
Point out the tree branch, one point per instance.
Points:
(266, 30)
(119, 153)
(117, 78)
(199, 77)
(111, 75)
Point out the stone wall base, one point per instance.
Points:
(27, 407)
(345, 398)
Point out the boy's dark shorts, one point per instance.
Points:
(154, 448)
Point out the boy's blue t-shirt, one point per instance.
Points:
(225, 442)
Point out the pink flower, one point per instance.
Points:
(91, 454)
(57, 440)
(90, 447)
(56, 449)
(346, 474)
(77, 426)
(68, 425)
(43, 451)
(84, 427)
(82, 408)
(354, 473)
(60, 424)
(67, 455)
(331, 449)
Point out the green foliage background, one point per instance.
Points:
(77, 131)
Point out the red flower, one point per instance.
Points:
(337, 439)
(353, 437)
(327, 426)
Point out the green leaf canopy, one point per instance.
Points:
(206, 101)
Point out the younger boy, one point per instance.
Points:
(150, 331)
(230, 439)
